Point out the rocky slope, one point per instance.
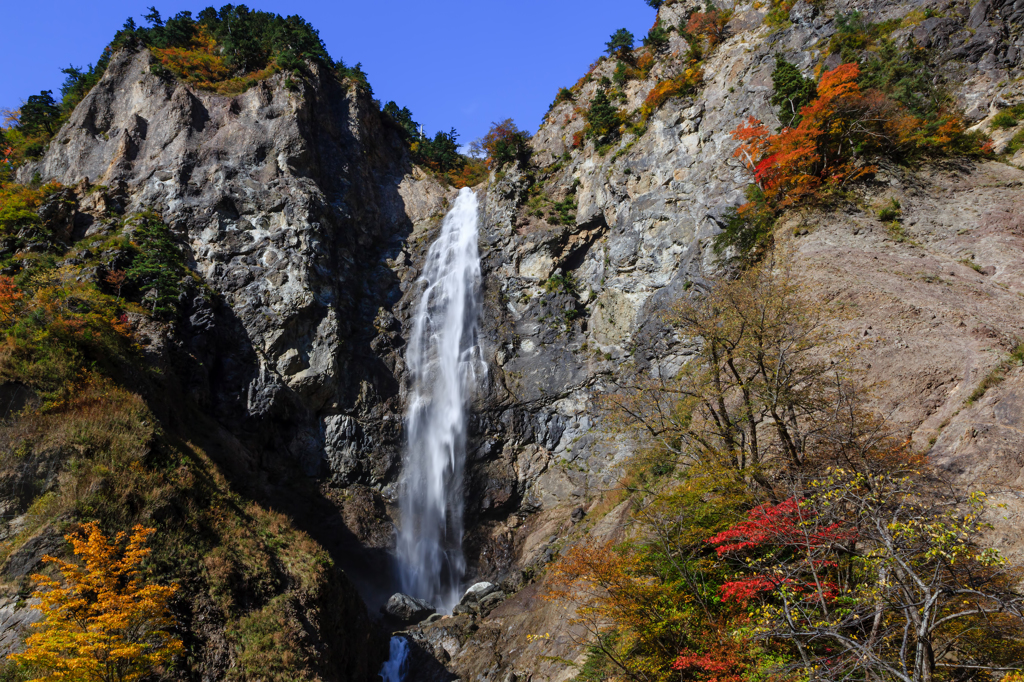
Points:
(937, 302)
(300, 211)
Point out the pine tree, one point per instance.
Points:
(39, 114)
(603, 118)
(157, 268)
(620, 43)
(792, 92)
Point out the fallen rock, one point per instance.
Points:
(491, 600)
(477, 592)
(408, 609)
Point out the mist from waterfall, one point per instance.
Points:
(445, 366)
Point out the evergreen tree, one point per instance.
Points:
(657, 37)
(620, 43)
(906, 76)
(157, 268)
(603, 118)
(39, 114)
(403, 117)
(792, 92)
(441, 153)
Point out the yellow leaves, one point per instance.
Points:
(103, 622)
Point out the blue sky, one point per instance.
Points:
(454, 64)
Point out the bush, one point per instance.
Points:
(564, 95)
(710, 25)
(1016, 143)
(891, 211)
(505, 143)
(1008, 118)
(684, 84)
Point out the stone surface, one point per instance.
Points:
(408, 609)
(301, 211)
(477, 592)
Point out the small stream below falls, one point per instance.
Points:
(446, 366)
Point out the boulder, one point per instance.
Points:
(492, 600)
(408, 609)
(477, 592)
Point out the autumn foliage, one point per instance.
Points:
(104, 621)
(839, 132)
(710, 25)
(203, 65)
(505, 143)
(684, 84)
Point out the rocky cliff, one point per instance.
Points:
(300, 211)
(570, 306)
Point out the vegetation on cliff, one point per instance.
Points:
(98, 436)
(103, 621)
(881, 104)
(782, 531)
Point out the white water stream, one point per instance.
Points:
(445, 364)
(396, 667)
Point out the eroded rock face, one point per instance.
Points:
(569, 306)
(301, 212)
(291, 203)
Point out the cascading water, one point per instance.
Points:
(445, 365)
(396, 667)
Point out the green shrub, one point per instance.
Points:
(748, 229)
(1008, 118)
(891, 211)
(791, 93)
(1016, 143)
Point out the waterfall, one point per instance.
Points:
(395, 668)
(445, 365)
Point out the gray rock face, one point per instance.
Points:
(301, 211)
(290, 203)
(408, 609)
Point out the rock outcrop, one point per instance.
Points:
(301, 212)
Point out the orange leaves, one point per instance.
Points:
(10, 299)
(104, 621)
(795, 163)
(710, 25)
(202, 65)
(838, 130)
(644, 64)
(682, 84)
(839, 82)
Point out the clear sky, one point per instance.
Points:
(454, 63)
